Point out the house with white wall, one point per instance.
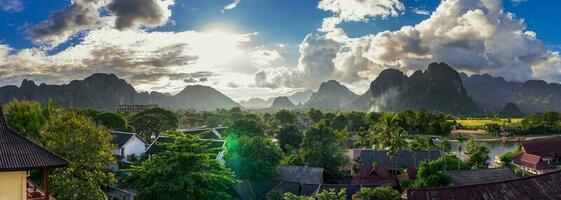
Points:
(127, 145)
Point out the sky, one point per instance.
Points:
(266, 48)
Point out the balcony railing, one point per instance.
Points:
(35, 193)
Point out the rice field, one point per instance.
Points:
(483, 122)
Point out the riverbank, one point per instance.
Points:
(512, 139)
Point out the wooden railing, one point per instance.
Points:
(35, 193)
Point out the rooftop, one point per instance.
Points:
(121, 138)
(18, 153)
(405, 159)
(545, 187)
(154, 149)
(543, 148)
(471, 177)
(308, 175)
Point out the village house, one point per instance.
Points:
(539, 156)
(211, 133)
(18, 155)
(127, 145)
(545, 186)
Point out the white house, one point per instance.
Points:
(127, 145)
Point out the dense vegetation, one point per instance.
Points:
(256, 144)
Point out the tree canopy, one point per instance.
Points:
(151, 123)
(253, 158)
(185, 169)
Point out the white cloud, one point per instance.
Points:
(230, 6)
(11, 5)
(472, 36)
(357, 10)
(420, 11)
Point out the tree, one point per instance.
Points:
(415, 146)
(315, 115)
(387, 125)
(25, 117)
(112, 121)
(397, 143)
(330, 194)
(89, 149)
(430, 145)
(185, 169)
(445, 147)
(477, 154)
(461, 139)
(323, 147)
(357, 122)
(289, 138)
(384, 192)
(246, 127)
(152, 122)
(253, 158)
(429, 174)
(339, 122)
(493, 128)
(285, 117)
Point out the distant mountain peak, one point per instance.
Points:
(282, 103)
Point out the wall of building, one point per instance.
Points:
(13, 185)
(134, 146)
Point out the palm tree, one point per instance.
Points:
(430, 145)
(461, 139)
(387, 125)
(415, 146)
(446, 148)
(397, 143)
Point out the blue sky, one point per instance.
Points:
(261, 29)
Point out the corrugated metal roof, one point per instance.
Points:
(19, 153)
(545, 187)
(405, 159)
(301, 174)
(543, 148)
(471, 177)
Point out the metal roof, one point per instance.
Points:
(471, 177)
(18, 153)
(545, 187)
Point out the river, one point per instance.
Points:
(496, 148)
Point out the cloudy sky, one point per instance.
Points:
(264, 48)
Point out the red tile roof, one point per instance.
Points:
(374, 176)
(19, 153)
(545, 187)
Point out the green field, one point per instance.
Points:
(481, 122)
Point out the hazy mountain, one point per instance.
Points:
(493, 93)
(257, 103)
(301, 97)
(106, 91)
(330, 95)
(439, 88)
(282, 103)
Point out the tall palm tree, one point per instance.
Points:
(446, 148)
(397, 144)
(415, 146)
(430, 145)
(461, 140)
(387, 125)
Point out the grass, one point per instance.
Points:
(480, 123)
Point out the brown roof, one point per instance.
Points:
(530, 161)
(545, 187)
(543, 148)
(19, 153)
(471, 177)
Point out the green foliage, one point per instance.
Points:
(477, 154)
(253, 158)
(289, 137)
(538, 123)
(323, 147)
(387, 125)
(384, 192)
(285, 117)
(425, 122)
(315, 115)
(89, 149)
(357, 122)
(25, 117)
(330, 194)
(186, 169)
(430, 174)
(246, 127)
(151, 123)
(112, 121)
(508, 156)
(339, 122)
